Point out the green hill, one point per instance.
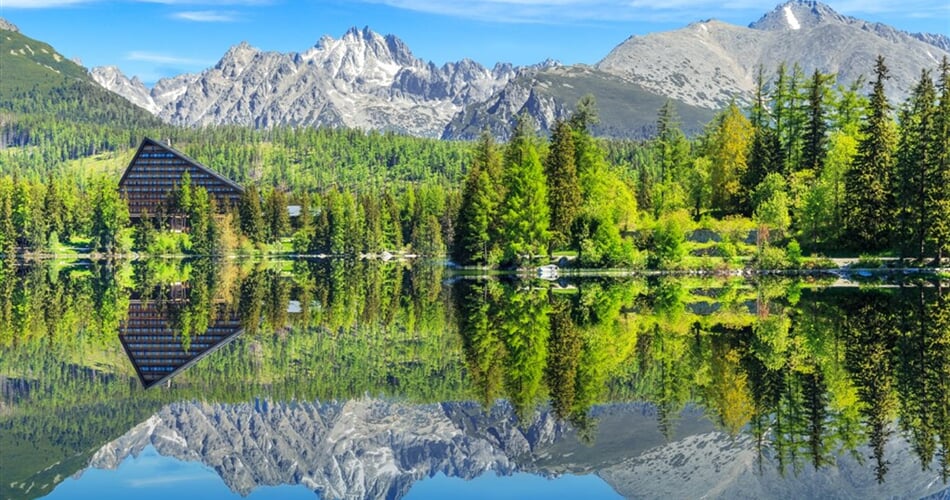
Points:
(38, 81)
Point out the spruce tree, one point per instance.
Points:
(473, 242)
(672, 157)
(939, 197)
(252, 217)
(915, 169)
(524, 211)
(868, 204)
(277, 220)
(764, 152)
(564, 192)
(815, 140)
(7, 229)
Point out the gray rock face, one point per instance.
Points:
(715, 465)
(378, 449)
(133, 90)
(710, 63)
(357, 449)
(369, 81)
(363, 80)
(7, 25)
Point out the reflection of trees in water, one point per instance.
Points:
(809, 373)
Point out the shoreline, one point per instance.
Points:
(843, 270)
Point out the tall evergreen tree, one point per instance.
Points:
(474, 231)
(277, 220)
(868, 204)
(524, 211)
(7, 229)
(916, 169)
(585, 114)
(672, 157)
(815, 137)
(564, 191)
(764, 152)
(789, 116)
(939, 198)
(251, 214)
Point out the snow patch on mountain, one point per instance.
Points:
(790, 17)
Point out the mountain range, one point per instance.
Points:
(371, 448)
(371, 81)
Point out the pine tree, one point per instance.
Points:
(868, 204)
(252, 217)
(7, 229)
(789, 117)
(524, 211)
(815, 140)
(564, 192)
(764, 152)
(915, 169)
(585, 114)
(277, 220)
(477, 218)
(672, 156)
(938, 199)
(392, 230)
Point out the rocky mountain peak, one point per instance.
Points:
(7, 25)
(237, 59)
(798, 14)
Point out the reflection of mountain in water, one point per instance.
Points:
(378, 449)
(160, 344)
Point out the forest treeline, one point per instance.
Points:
(808, 169)
(810, 372)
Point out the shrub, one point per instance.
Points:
(793, 252)
(771, 258)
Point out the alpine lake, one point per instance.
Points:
(362, 379)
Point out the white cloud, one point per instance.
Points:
(156, 58)
(207, 16)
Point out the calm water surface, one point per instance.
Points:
(360, 380)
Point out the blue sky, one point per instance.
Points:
(156, 38)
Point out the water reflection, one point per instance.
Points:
(361, 379)
(166, 334)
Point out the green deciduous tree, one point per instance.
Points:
(110, 215)
(727, 149)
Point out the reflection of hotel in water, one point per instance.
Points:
(156, 350)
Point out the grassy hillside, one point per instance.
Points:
(38, 81)
(26, 63)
